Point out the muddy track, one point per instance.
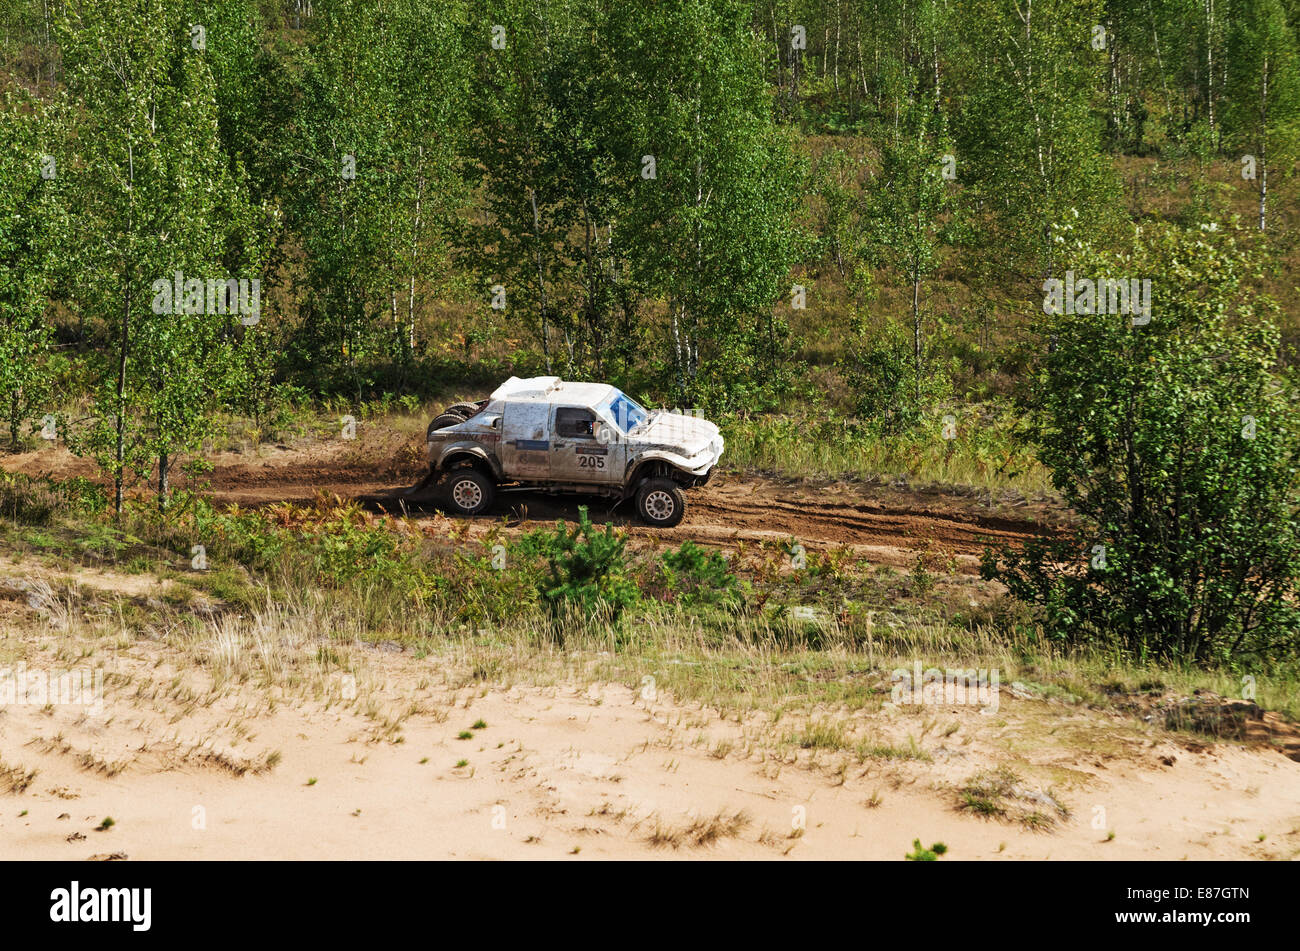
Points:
(733, 508)
(885, 524)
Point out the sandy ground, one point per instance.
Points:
(282, 760)
(595, 770)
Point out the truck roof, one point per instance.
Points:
(551, 389)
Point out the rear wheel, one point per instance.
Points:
(461, 409)
(469, 492)
(661, 503)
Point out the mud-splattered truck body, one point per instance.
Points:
(546, 434)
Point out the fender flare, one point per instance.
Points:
(468, 448)
(641, 468)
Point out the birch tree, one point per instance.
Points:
(151, 197)
(28, 175)
(711, 187)
(1263, 92)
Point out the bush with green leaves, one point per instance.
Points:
(920, 853)
(483, 589)
(693, 575)
(347, 546)
(31, 501)
(881, 368)
(1176, 444)
(589, 572)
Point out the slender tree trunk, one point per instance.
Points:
(410, 316)
(836, 70)
(862, 70)
(780, 65)
(1209, 62)
(1160, 63)
(916, 327)
(164, 478)
(796, 63)
(1263, 148)
(415, 259)
(119, 448)
(1112, 52)
(679, 312)
(692, 338)
(14, 421)
(541, 281)
(45, 13)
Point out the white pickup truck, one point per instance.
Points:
(546, 434)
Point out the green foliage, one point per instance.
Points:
(40, 501)
(713, 234)
(882, 369)
(588, 572)
(921, 854)
(693, 575)
(1262, 114)
(838, 210)
(245, 536)
(345, 548)
(1177, 446)
(587, 237)
(150, 194)
(373, 130)
(1029, 138)
(987, 450)
(482, 590)
(911, 215)
(26, 268)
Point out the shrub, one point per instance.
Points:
(1176, 444)
(697, 576)
(881, 369)
(38, 501)
(921, 854)
(588, 571)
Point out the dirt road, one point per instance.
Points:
(886, 524)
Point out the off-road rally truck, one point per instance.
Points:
(544, 434)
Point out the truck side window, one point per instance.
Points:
(571, 421)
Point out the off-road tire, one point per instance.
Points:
(661, 503)
(461, 409)
(469, 492)
(446, 419)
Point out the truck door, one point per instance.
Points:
(576, 454)
(525, 441)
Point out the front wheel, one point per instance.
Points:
(661, 503)
(469, 492)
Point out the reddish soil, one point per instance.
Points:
(887, 524)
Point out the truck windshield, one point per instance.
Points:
(626, 412)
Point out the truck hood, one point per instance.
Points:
(685, 435)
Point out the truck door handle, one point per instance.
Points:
(558, 445)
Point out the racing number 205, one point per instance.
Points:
(591, 462)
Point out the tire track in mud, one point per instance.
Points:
(733, 509)
(885, 524)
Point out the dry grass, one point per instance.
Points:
(697, 832)
(1000, 793)
(15, 779)
(310, 643)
